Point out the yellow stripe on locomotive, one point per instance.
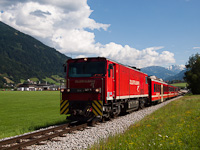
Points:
(64, 106)
(97, 107)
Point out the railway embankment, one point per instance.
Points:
(175, 126)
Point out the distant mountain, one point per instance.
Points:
(23, 57)
(176, 68)
(165, 73)
(178, 76)
(158, 71)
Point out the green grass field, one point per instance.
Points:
(174, 126)
(180, 85)
(21, 112)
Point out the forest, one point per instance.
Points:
(23, 57)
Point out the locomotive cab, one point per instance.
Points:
(83, 96)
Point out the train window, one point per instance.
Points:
(108, 72)
(165, 88)
(109, 68)
(86, 69)
(146, 80)
(157, 88)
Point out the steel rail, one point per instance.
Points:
(32, 139)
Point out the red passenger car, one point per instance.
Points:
(158, 90)
(99, 87)
(173, 91)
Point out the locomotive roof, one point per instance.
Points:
(109, 60)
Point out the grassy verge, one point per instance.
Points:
(21, 112)
(175, 126)
(180, 85)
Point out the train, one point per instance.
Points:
(100, 88)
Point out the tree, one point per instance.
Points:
(192, 75)
(2, 81)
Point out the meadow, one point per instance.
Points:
(174, 126)
(180, 85)
(25, 111)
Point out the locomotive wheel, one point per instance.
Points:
(114, 116)
(103, 120)
(108, 117)
(142, 104)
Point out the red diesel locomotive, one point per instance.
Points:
(101, 88)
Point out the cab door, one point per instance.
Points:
(161, 93)
(111, 82)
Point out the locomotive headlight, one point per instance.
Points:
(62, 90)
(68, 90)
(97, 90)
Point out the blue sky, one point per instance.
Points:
(174, 24)
(133, 32)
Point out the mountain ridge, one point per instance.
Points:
(23, 57)
(158, 71)
(164, 73)
(176, 68)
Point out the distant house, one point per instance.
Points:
(54, 87)
(37, 87)
(43, 87)
(26, 87)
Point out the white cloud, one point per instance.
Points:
(132, 56)
(196, 47)
(62, 24)
(74, 41)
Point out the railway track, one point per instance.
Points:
(21, 142)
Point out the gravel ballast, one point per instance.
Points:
(89, 136)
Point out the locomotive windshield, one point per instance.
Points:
(87, 69)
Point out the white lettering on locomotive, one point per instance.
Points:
(84, 81)
(134, 82)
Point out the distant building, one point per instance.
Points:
(26, 87)
(37, 87)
